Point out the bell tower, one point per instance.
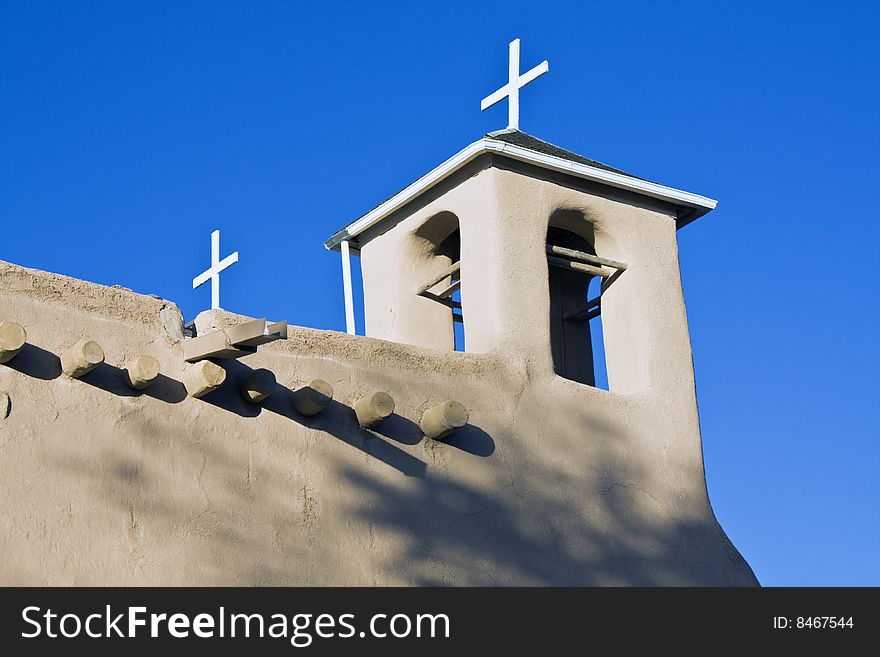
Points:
(528, 246)
(557, 274)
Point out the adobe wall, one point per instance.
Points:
(550, 483)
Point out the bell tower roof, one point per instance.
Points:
(532, 143)
(511, 145)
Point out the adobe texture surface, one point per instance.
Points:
(551, 482)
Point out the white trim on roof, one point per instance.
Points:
(488, 145)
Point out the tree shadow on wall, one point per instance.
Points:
(459, 535)
(538, 521)
(518, 516)
(177, 528)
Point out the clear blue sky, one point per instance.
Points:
(130, 130)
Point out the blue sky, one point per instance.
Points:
(130, 130)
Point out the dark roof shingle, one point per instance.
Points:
(525, 140)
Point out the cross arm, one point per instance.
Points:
(228, 260)
(204, 277)
(539, 70)
(493, 98)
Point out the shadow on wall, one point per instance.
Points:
(337, 420)
(114, 380)
(526, 515)
(38, 363)
(463, 536)
(532, 521)
(542, 522)
(340, 421)
(546, 521)
(470, 438)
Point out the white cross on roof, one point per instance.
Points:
(212, 273)
(514, 83)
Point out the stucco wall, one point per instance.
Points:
(552, 482)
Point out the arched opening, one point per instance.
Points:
(440, 279)
(576, 276)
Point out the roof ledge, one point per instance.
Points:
(522, 147)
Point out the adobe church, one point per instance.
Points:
(463, 440)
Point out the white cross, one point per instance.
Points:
(514, 83)
(213, 272)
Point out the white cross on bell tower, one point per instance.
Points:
(212, 273)
(514, 83)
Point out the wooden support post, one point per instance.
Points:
(584, 257)
(439, 421)
(12, 338)
(81, 358)
(313, 398)
(371, 410)
(258, 385)
(203, 377)
(449, 271)
(562, 263)
(449, 291)
(142, 371)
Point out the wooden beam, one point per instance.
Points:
(449, 271)
(449, 303)
(592, 303)
(562, 263)
(584, 257)
(215, 344)
(449, 291)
